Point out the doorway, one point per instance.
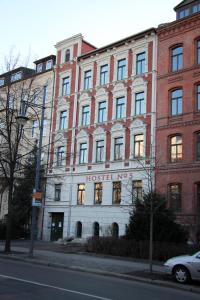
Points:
(57, 226)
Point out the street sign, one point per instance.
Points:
(37, 199)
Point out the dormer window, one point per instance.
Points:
(16, 76)
(49, 64)
(196, 8)
(2, 81)
(39, 68)
(184, 13)
(67, 55)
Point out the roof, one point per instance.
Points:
(17, 70)
(183, 3)
(52, 56)
(136, 36)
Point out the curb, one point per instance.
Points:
(163, 283)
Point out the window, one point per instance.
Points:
(98, 193)
(39, 68)
(60, 155)
(140, 63)
(177, 58)
(116, 192)
(196, 8)
(102, 112)
(85, 120)
(67, 55)
(175, 197)
(63, 120)
(57, 192)
(198, 97)
(120, 107)
(16, 76)
(83, 153)
(81, 194)
(139, 145)
(137, 190)
(96, 229)
(184, 13)
(87, 79)
(1, 81)
(176, 102)
(115, 230)
(198, 146)
(79, 229)
(10, 102)
(139, 104)
(65, 86)
(44, 127)
(45, 92)
(118, 148)
(198, 197)
(176, 149)
(99, 151)
(34, 128)
(121, 69)
(49, 64)
(198, 51)
(103, 74)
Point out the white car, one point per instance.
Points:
(184, 267)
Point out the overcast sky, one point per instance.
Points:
(33, 27)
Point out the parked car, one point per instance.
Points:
(184, 268)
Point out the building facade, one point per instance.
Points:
(178, 114)
(28, 86)
(103, 131)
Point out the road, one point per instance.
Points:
(23, 281)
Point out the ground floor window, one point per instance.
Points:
(175, 197)
(115, 230)
(96, 229)
(79, 229)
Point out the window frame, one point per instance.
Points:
(65, 86)
(83, 153)
(197, 140)
(49, 64)
(176, 145)
(98, 193)
(101, 118)
(103, 77)
(81, 192)
(57, 192)
(85, 115)
(116, 191)
(141, 104)
(120, 108)
(87, 79)
(176, 59)
(140, 146)
(140, 63)
(137, 190)
(118, 148)
(178, 206)
(121, 69)
(60, 155)
(101, 151)
(63, 120)
(176, 99)
(198, 50)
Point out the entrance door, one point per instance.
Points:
(57, 226)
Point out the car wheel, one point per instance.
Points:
(181, 274)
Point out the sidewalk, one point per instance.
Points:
(55, 255)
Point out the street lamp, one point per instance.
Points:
(36, 201)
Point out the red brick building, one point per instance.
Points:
(178, 114)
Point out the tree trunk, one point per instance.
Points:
(9, 219)
(151, 243)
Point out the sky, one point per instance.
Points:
(31, 28)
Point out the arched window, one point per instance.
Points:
(115, 230)
(78, 229)
(67, 55)
(96, 229)
(176, 148)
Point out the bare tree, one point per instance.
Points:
(17, 97)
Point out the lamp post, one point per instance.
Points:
(22, 119)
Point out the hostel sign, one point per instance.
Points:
(109, 177)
